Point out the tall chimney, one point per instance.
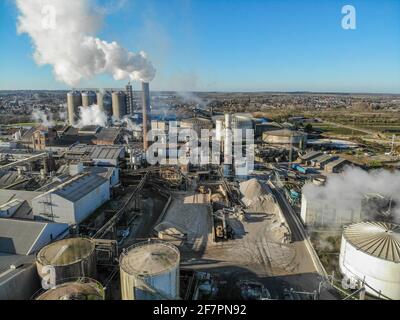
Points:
(146, 109)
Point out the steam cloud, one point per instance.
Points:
(43, 118)
(90, 116)
(345, 191)
(62, 33)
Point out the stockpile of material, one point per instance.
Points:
(257, 196)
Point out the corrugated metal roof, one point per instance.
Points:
(311, 155)
(99, 152)
(379, 239)
(78, 187)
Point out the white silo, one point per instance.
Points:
(150, 271)
(370, 253)
(88, 98)
(74, 101)
(219, 130)
(118, 105)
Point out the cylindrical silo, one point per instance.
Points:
(74, 101)
(118, 105)
(218, 130)
(88, 98)
(104, 101)
(370, 253)
(150, 271)
(80, 289)
(70, 258)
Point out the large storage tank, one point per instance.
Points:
(71, 258)
(118, 105)
(88, 98)
(74, 101)
(150, 271)
(285, 136)
(80, 289)
(104, 101)
(370, 252)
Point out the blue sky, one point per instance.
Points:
(235, 45)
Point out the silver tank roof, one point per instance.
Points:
(379, 239)
(149, 258)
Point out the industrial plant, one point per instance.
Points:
(130, 193)
(103, 207)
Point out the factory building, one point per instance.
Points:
(306, 158)
(18, 277)
(25, 237)
(74, 200)
(99, 155)
(37, 138)
(285, 137)
(74, 101)
(337, 166)
(118, 105)
(370, 257)
(321, 161)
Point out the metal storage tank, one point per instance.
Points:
(71, 258)
(150, 271)
(81, 289)
(370, 252)
(104, 101)
(88, 98)
(74, 101)
(118, 105)
(285, 136)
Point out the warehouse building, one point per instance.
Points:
(98, 155)
(306, 158)
(74, 200)
(337, 166)
(26, 237)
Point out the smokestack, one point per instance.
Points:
(146, 108)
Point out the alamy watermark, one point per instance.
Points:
(183, 146)
(349, 20)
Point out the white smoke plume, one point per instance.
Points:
(62, 34)
(89, 116)
(190, 97)
(344, 192)
(43, 118)
(130, 125)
